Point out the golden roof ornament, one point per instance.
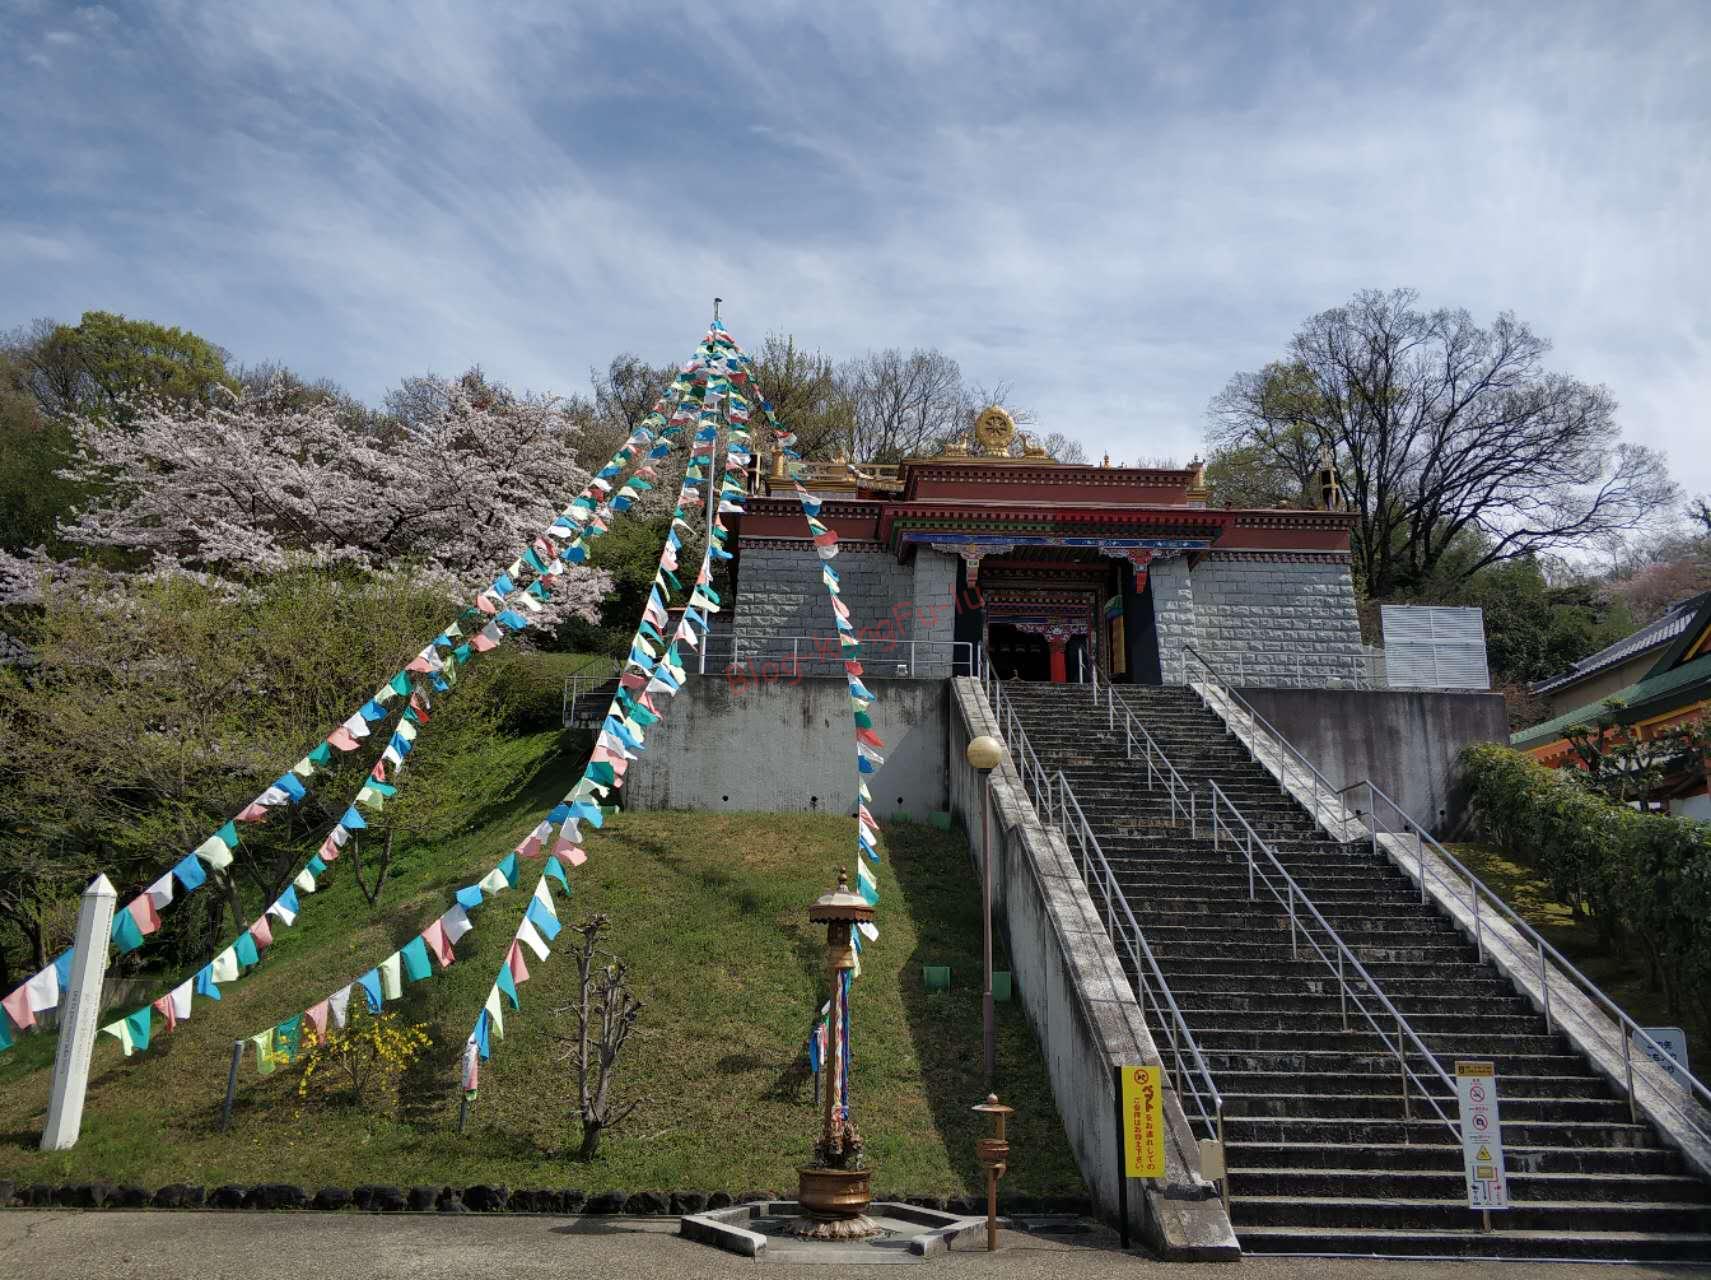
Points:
(1032, 448)
(995, 430)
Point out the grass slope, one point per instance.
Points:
(709, 910)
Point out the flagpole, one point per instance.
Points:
(716, 467)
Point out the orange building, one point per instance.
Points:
(1658, 677)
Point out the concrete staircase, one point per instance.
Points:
(1322, 1158)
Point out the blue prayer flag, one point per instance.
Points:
(191, 873)
(542, 919)
(370, 984)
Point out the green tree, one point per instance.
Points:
(1441, 429)
(33, 448)
(93, 368)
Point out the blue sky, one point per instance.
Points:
(1113, 206)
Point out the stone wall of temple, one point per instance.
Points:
(1278, 618)
(780, 595)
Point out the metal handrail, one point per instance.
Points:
(1054, 800)
(1173, 779)
(1097, 872)
(803, 651)
(1478, 890)
(1479, 894)
(582, 678)
(1319, 784)
(1293, 897)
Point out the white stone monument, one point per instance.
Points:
(79, 1010)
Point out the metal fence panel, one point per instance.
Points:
(1434, 647)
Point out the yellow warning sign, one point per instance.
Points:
(1143, 1122)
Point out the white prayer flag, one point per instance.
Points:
(160, 892)
(225, 966)
(531, 938)
(338, 1004)
(213, 851)
(42, 991)
(180, 998)
(456, 923)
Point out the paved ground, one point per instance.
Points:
(312, 1246)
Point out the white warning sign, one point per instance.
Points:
(1481, 1135)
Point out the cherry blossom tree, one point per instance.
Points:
(247, 487)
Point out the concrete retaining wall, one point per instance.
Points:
(1406, 741)
(738, 743)
(1079, 1002)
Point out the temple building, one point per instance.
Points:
(1055, 571)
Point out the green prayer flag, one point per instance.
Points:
(415, 954)
(672, 577)
(139, 1023)
(264, 1062)
(555, 869)
(229, 834)
(126, 936)
(288, 1039)
(245, 950)
(863, 720)
(400, 684)
(601, 771)
(321, 754)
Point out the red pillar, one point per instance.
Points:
(1060, 670)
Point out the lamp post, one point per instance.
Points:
(984, 754)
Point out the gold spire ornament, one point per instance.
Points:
(995, 430)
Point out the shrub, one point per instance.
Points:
(1645, 879)
(362, 1064)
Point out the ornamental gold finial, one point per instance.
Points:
(995, 430)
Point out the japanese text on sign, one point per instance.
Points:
(1143, 1122)
(1481, 1135)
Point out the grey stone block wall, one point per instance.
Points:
(780, 595)
(1282, 624)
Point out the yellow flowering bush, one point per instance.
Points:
(363, 1064)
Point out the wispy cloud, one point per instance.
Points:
(1113, 207)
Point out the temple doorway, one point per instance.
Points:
(1017, 655)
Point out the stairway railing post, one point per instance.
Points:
(1478, 925)
(1628, 1068)
(1545, 987)
(1342, 989)
(1401, 1062)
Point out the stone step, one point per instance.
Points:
(1389, 1106)
(1472, 1243)
(1329, 1063)
(1338, 1134)
(1445, 1047)
(1330, 1002)
(1604, 1187)
(1567, 1216)
(1384, 1079)
(1392, 1156)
